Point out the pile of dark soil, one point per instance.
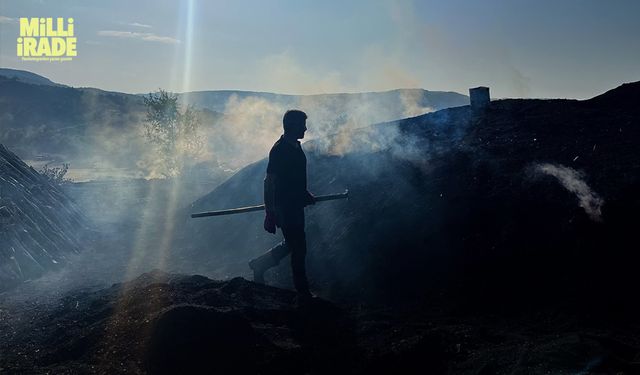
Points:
(166, 324)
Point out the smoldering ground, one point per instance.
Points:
(414, 166)
(443, 214)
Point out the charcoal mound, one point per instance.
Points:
(525, 201)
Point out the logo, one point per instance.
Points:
(39, 40)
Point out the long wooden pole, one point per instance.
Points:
(240, 210)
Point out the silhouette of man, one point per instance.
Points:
(285, 196)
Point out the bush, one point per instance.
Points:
(173, 131)
(56, 175)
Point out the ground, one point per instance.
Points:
(169, 323)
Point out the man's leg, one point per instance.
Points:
(296, 241)
(270, 259)
(295, 238)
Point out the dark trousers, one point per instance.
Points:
(291, 222)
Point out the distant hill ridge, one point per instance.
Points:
(27, 77)
(86, 126)
(36, 79)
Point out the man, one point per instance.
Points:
(285, 196)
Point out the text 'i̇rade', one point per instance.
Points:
(42, 40)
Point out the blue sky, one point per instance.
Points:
(569, 48)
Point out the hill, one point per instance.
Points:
(26, 77)
(103, 131)
(66, 124)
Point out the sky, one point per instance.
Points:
(530, 49)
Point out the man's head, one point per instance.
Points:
(294, 123)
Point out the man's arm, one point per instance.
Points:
(269, 192)
(269, 203)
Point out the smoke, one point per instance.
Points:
(573, 181)
(337, 123)
(334, 119)
(412, 104)
(249, 127)
(520, 84)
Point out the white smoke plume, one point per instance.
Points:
(573, 181)
(337, 124)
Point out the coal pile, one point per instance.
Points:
(40, 227)
(163, 323)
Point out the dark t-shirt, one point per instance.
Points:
(289, 164)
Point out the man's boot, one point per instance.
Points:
(262, 263)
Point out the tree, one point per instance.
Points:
(56, 175)
(175, 132)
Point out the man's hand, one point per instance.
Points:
(311, 199)
(270, 222)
